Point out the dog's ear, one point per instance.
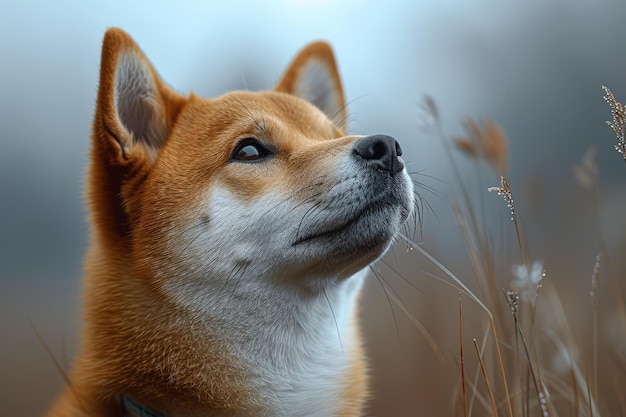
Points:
(313, 76)
(135, 108)
(135, 113)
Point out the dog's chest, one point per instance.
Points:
(302, 370)
(297, 358)
(307, 388)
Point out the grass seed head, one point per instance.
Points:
(487, 141)
(505, 191)
(619, 121)
(512, 297)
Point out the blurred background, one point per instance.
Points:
(535, 67)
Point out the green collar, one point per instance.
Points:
(133, 409)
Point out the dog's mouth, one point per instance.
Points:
(374, 212)
(330, 232)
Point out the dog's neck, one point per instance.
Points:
(296, 346)
(296, 349)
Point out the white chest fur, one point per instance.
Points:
(303, 365)
(295, 349)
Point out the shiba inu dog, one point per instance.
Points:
(229, 240)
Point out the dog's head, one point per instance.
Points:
(223, 233)
(193, 192)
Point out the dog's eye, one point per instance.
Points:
(250, 150)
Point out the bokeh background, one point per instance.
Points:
(535, 67)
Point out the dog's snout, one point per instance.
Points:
(381, 151)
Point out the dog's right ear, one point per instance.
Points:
(135, 108)
(135, 113)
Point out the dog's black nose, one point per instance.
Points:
(381, 151)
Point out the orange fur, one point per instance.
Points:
(136, 340)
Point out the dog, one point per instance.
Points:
(229, 240)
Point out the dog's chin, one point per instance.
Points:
(345, 247)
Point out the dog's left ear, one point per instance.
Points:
(313, 76)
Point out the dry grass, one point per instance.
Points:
(534, 357)
(619, 121)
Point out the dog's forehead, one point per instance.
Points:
(272, 115)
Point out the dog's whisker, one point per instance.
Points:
(307, 200)
(237, 269)
(192, 240)
(309, 210)
(240, 276)
(380, 281)
(59, 367)
(400, 275)
(421, 186)
(343, 121)
(334, 319)
(319, 209)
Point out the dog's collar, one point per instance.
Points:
(134, 409)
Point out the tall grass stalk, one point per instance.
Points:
(486, 378)
(464, 391)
